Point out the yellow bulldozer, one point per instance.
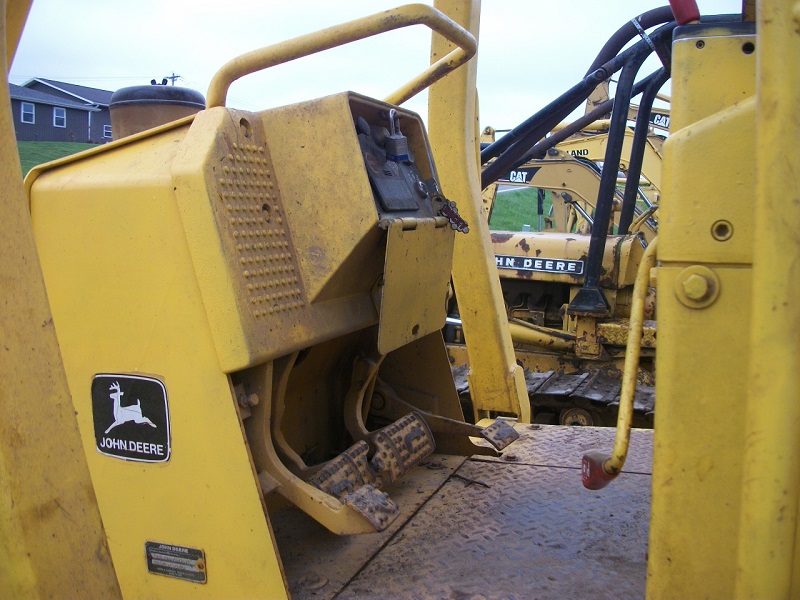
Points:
(573, 353)
(223, 378)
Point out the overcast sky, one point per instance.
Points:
(530, 50)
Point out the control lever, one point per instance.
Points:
(599, 469)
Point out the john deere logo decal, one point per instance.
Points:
(131, 417)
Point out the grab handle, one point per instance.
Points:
(396, 18)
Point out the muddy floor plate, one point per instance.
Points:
(498, 530)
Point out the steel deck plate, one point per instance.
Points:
(560, 446)
(318, 564)
(492, 529)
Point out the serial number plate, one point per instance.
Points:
(180, 562)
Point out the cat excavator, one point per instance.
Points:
(569, 175)
(219, 382)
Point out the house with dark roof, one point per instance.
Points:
(55, 111)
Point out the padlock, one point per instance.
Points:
(396, 142)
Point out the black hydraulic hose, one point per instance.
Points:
(515, 144)
(542, 146)
(590, 300)
(640, 132)
(549, 117)
(608, 179)
(627, 32)
(565, 102)
(537, 126)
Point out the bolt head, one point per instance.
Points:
(696, 287)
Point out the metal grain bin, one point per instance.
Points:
(141, 107)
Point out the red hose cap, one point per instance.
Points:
(592, 473)
(685, 11)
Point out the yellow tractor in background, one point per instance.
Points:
(222, 378)
(572, 352)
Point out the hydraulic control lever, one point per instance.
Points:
(599, 469)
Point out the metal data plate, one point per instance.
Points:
(179, 562)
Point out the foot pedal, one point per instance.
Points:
(345, 473)
(401, 446)
(374, 504)
(500, 434)
(350, 479)
(353, 479)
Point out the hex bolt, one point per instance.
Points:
(696, 287)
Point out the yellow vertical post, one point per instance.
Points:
(496, 381)
(52, 543)
(705, 251)
(771, 482)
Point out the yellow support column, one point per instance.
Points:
(771, 482)
(52, 542)
(705, 252)
(496, 381)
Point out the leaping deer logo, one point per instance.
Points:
(123, 414)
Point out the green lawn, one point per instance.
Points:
(36, 153)
(515, 208)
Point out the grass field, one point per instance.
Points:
(515, 208)
(36, 153)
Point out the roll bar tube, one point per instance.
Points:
(338, 35)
